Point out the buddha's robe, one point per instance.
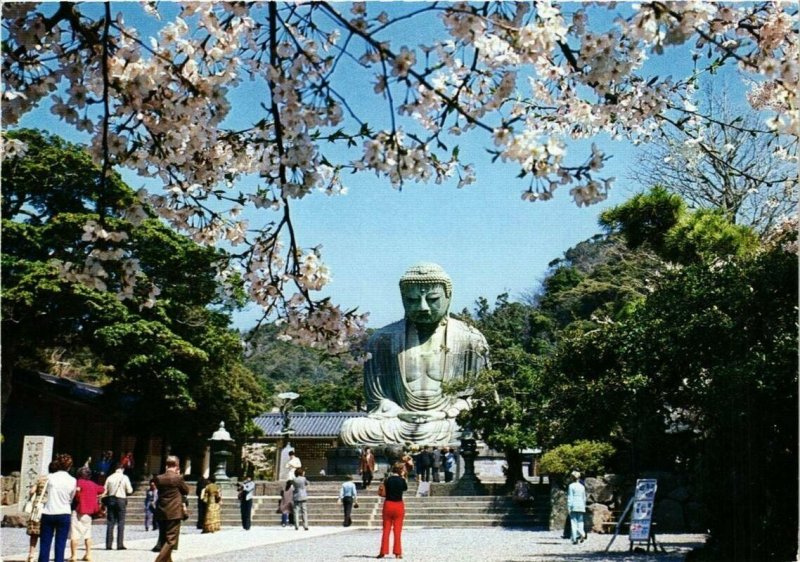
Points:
(404, 377)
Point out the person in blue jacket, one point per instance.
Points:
(576, 504)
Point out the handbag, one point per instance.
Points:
(28, 507)
(185, 512)
(382, 490)
(36, 514)
(36, 502)
(355, 504)
(100, 512)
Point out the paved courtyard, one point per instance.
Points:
(332, 544)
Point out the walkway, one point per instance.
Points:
(335, 544)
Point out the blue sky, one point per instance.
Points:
(484, 235)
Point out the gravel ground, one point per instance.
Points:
(15, 541)
(449, 545)
(335, 544)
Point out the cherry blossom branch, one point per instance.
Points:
(451, 103)
(106, 169)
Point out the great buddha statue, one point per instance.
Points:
(410, 361)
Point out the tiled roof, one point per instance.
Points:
(306, 424)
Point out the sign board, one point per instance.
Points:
(37, 452)
(423, 489)
(642, 516)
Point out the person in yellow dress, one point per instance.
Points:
(212, 498)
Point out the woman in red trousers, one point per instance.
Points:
(394, 511)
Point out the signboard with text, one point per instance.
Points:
(642, 516)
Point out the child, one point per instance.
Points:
(150, 501)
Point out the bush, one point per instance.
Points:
(588, 457)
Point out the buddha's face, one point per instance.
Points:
(425, 304)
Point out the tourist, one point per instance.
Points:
(170, 511)
(449, 465)
(201, 506)
(424, 464)
(293, 464)
(150, 503)
(348, 498)
(246, 490)
(408, 464)
(117, 489)
(57, 510)
(300, 498)
(126, 462)
(286, 503)
(37, 496)
(393, 511)
(87, 493)
(366, 467)
(576, 505)
(436, 464)
(212, 500)
(102, 467)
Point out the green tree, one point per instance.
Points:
(505, 398)
(701, 375)
(719, 342)
(325, 383)
(660, 220)
(173, 356)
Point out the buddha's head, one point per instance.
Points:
(426, 290)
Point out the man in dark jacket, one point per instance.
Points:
(169, 512)
(201, 505)
(424, 464)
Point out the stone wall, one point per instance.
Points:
(677, 509)
(10, 487)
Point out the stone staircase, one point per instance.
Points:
(436, 510)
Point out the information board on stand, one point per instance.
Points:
(641, 527)
(642, 516)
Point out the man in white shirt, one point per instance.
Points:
(293, 464)
(57, 510)
(117, 488)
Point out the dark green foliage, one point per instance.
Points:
(597, 280)
(646, 218)
(720, 345)
(177, 362)
(679, 351)
(325, 384)
(660, 221)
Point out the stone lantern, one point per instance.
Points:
(469, 484)
(221, 445)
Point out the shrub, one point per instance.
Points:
(588, 457)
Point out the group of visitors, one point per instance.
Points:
(431, 460)
(102, 468)
(62, 507)
(292, 503)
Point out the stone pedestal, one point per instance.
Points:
(37, 452)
